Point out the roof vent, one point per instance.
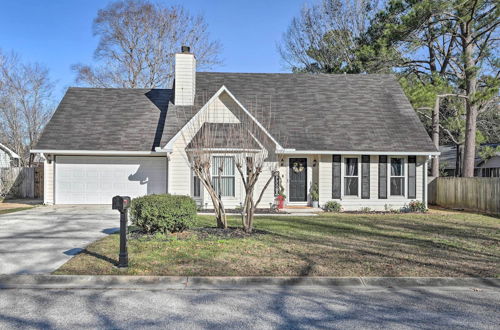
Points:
(185, 49)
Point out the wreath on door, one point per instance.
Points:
(297, 167)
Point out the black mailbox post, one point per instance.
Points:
(122, 204)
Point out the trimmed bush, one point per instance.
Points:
(415, 206)
(332, 206)
(163, 213)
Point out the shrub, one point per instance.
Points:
(163, 213)
(365, 209)
(415, 206)
(332, 206)
(315, 192)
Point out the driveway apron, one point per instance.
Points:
(40, 240)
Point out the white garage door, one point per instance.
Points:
(95, 180)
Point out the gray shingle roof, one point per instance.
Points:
(309, 111)
(223, 135)
(108, 119)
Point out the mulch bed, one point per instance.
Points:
(230, 232)
(199, 233)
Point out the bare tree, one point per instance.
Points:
(324, 36)
(222, 138)
(138, 41)
(25, 104)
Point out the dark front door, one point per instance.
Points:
(298, 179)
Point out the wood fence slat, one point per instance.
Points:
(478, 194)
(20, 182)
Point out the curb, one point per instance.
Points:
(202, 282)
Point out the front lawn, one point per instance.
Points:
(434, 244)
(16, 209)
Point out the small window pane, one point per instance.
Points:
(351, 166)
(227, 164)
(226, 186)
(396, 166)
(397, 187)
(351, 186)
(277, 185)
(196, 186)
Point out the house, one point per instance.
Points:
(355, 136)
(8, 158)
(482, 168)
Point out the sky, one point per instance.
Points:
(58, 33)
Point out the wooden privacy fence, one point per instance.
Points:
(21, 182)
(478, 194)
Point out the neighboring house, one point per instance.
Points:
(489, 167)
(8, 158)
(356, 136)
(483, 168)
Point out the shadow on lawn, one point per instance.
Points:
(412, 244)
(112, 261)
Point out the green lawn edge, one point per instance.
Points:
(454, 244)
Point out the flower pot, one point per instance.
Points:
(281, 202)
(315, 204)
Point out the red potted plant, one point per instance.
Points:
(281, 198)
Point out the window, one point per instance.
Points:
(397, 177)
(196, 186)
(351, 178)
(224, 186)
(277, 184)
(490, 172)
(249, 161)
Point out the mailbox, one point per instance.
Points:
(121, 203)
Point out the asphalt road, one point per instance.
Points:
(282, 308)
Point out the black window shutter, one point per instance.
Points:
(382, 177)
(412, 176)
(365, 176)
(336, 173)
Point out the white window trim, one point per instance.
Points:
(227, 176)
(404, 176)
(342, 177)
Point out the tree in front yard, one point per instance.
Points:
(224, 139)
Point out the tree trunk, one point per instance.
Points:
(470, 105)
(470, 141)
(435, 137)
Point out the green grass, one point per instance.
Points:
(435, 244)
(15, 210)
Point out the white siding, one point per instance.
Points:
(48, 182)
(185, 78)
(179, 167)
(4, 159)
(350, 203)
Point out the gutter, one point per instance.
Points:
(99, 152)
(389, 153)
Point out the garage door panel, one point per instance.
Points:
(95, 180)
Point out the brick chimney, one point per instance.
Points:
(185, 77)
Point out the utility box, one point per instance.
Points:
(121, 203)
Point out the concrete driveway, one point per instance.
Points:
(41, 239)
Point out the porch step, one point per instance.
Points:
(302, 209)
